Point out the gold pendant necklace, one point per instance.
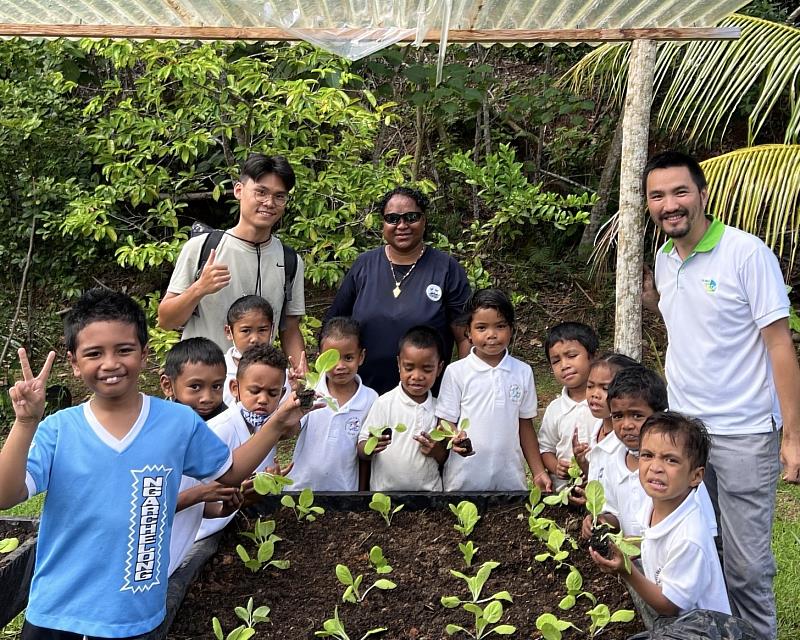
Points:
(397, 291)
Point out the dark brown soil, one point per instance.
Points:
(421, 546)
(10, 529)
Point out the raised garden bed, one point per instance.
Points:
(16, 568)
(421, 545)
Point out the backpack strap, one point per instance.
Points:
(213, 238)
(289, 274)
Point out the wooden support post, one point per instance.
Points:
(630, 250)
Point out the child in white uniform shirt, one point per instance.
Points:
(681, 569)
(325, 456)
(408, 460)
(496, 393)
(569, 347)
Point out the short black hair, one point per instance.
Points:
(262, 354)
(577, 331)
(692, 433)
(669, 159)
(416, 195)
(103, 305)
(615, 361)
(244, 304)
(193, 350)
(488, 299)
(422, 336)
(642, 383)
(257, 165)
(341, 327)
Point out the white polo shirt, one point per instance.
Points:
(601, 452)
(401, 466)
(714, 305)
(325, 456)
(493, 399)
(680, 556)
(562, 416)
(231, 366)
(232, 430)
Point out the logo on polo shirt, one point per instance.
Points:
(434, 292)
(352, 427)
(515, 393)
(710, 285)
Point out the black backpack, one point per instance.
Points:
(213, 238)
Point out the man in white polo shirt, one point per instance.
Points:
(730, 362)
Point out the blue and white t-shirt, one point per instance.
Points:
(103, 548)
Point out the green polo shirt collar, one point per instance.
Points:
(710, 238)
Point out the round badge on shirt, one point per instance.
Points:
(353, 427)
(434, 292)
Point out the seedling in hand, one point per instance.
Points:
(379, 561)
(250, 618)
(325, 362)
(446, 432)
(467, 514)
(333, 628)
(490, 614)
(468, 550)
(7, 545)
(383, 504)
(475, 585)
(551, 627)
(304, 507)
(575, 479)
(272, 484)
(601, 617)
(628, 547)
(352, 593)
(595, 501)
(574, 584)
(376, 432)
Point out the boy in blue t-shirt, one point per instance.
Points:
(111, 468)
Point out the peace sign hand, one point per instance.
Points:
(28, 394)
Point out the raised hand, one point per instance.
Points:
(28, 394)
(214, 276)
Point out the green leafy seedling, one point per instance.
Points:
(333, 628)
(271, 484)
(467, 514)
(263, 531)
(445, 432)
(601, 617)
(488, 615)
(303, 508)
(475, 585)
(574, 584)
(351, 592)
(628, 547)
(7, 545)
(325, 362)
(468, 550)
(263, 557)
(539, 526)
(249, 616)
(376, 432)
(379, 561)
(555, 543)
(383, 504)
(575, 474)
(551, 627)
(595, 499)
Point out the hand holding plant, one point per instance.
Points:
(446, 432)
(380, 437)
(272, 481)
(325, 362)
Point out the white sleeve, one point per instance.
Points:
(529, 406)
(297, 305)
(762, 281)
(448, 404)
(548, 431)
(685, 575)
(610, 485)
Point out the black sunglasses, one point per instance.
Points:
(410, 217)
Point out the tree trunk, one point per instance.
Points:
(630, 250)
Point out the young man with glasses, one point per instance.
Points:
(248, 260)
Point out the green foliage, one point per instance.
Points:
(303, 507)
(263, 535)
(467, 514)
(333, 628)
(249, 616)
(383, 504)
(324, 363)
(574, 584)
(475, 585)
(556, 538)
(575, 479)
(468, 551)
(445, 432)
(271, 484)
(595, 499)
(601, 617)
(353, 584)
(551, 627)
(490, 614)
(376, 432)
(379, 561)
(628, 546)
(7, 545)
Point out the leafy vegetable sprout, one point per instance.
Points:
(551, 627)
(250, 618)
(376, 432)
(467, 514)
(539, 526)
(379, 561)
(468, 550)
(325, 362)
(7, 545)
(263, 535)
(272, 484)
(303, 507)
(575, 479)
(628, 546)
(555, 542)
(383, 504)
(484, 617)
(352, 593)
(601, 617)
(574, 584)
(445, 432)
(333, 628)
(475, 585)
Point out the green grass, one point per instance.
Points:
(32, 507)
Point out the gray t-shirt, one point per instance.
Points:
(242, 258)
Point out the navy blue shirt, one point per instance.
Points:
(434, 294)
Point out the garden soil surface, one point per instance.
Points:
(422, 547)
(11, 530)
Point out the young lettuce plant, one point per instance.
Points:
(304, 507)
(7, 545)
(595, 501)
(574, 584)
(538, 525)
(490, 614)
(551, 627)
(475, 585)
(468, 550)
(325, 362)
(352, 593)
(601, 617)
(271, 484)
(445, 432)
(379, 561)
(263, 557)
(467, 514)
(333, 628)
(383, 504)
(628, 547)
(250, 618)
(575, 479)
(378, 431)
(555, 541)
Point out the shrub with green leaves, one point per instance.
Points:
(333, 628)
(484, 616)
(352, 591)
(250, 618)
(383, 504)
(303, 507)
(467, 514)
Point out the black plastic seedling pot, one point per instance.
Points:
(16, 568)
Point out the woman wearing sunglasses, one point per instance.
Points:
(399, 285)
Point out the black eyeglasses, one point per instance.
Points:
(410, 217)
